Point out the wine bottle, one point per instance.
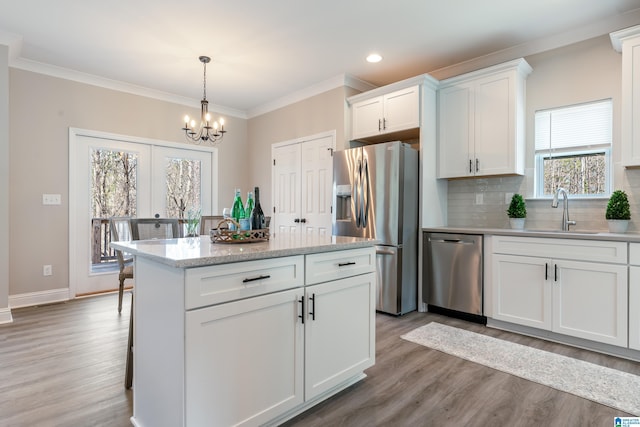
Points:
(237, 210)
(257, 216)
(248, 208)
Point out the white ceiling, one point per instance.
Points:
(265, 50)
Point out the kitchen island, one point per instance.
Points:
(248, 334)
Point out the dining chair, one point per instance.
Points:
(155, 228)
(209, 222)
(120, 229)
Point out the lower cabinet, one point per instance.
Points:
(339, 332)
(577, 298)
(244, 360)
(250, 361)
(634, 307)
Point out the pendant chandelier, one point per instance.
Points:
(208, 131)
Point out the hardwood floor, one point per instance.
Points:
(63, 365)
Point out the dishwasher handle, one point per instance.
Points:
(454, 241)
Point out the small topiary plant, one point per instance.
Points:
(618, 206)
(517, 208)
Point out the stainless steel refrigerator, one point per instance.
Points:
(375, 194)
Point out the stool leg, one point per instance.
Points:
(120, 292)
(128, 376)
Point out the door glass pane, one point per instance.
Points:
(184, 181)
(113, 193)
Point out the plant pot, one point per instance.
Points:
(618, 225)
(517, 223)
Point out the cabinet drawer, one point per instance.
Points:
(572, 249)
(634, 253)
(221, 283)
(327, 266)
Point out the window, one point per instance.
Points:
(573, 149)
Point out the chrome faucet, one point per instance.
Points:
(565, 212)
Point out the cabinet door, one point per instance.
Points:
(339, 332)
(455, 120)
(590, 301)
(494, 125)
(366, 118)
(521, 293)
(244, 360)
(401, 110)
(634, 308)
(631, 101)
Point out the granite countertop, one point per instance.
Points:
(557, 234)
(199, 251)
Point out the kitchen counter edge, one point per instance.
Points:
(579, 235)
(199, 251)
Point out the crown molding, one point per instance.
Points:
(316, 89)
(90, 79)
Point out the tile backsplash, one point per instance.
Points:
(482, 202)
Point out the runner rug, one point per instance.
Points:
(617, 389)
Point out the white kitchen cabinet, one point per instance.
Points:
(634, 296)
(571, 287)
(247, 357)
(481, 122)
(627, 42)
(385, 114)
(339, 330)
(521, 293)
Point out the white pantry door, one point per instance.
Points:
(302, 185)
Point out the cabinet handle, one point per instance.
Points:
(477, 165)
(303, 220)
(253, 279)
(312, 311)
(379, 125)
(555, 272)
(344, 264)
(301, 316)
(297, 220)
(470, 166)
(384, 123)
(546, 271)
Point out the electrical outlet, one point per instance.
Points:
(51, 199)
(507, 198)
(47, 270)
(479, 198)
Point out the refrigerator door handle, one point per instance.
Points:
(365, 194)
(356, 191)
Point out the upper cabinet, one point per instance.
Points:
(481, 122)
(375, 118)
(627, 41)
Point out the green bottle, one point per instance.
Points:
(237, 210)
(249, 206)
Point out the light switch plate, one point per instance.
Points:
(479, 198)
(51, 199)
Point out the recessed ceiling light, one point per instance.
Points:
(374, 57)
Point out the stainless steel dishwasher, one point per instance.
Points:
(452, 275)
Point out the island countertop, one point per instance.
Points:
(200, 251)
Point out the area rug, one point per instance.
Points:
(617, 389)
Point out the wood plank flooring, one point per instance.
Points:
(63, 365)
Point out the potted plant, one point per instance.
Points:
(517, 212)
(618, 212)
(193, 219)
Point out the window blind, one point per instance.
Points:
(576, 126)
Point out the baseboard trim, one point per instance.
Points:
(5, 315)
(38, 298)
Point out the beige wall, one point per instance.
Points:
(41, 110)
(4, 180)
(320, 113)
(581, 72)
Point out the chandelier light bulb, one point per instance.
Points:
(207, 117)
(215, 125)
(186, 120)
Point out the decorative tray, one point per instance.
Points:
(222, 233)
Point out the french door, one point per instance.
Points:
(113, 175)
